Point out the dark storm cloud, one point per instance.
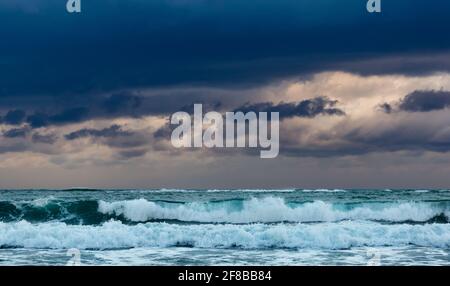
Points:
(171, 42)
(16, 132)
(112, 131)
(14, 117)
(419, 101)
(159, 104)
(101, 107)
(124, 104)
(425, 100)
(71, 74)
(206, 107)
(115, 137)
(163, 132)
(121, 102)
(38, 120)
(306, 108)
(70, 115)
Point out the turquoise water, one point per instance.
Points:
(225, 227)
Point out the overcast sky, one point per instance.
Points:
(364, 99)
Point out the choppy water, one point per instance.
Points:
(225, 227)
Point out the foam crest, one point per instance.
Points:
(270, 209)
(115, 235)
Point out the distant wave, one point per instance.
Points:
(116, 235)
(51, 209)
(324, 191)
(243, 190)
(216, 190)
(221, 191)
(271, 209)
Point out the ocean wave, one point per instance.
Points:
(51, 209)
(41, 202)
(271, 209)
(116, 235)
(252, 190)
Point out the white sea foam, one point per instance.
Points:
(42, 202)
(269, 209)
(115, 235)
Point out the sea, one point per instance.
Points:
(225, 227)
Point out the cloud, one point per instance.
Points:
(163, 132)
(307, 108)
(16, 132)
(38, 120)
(386, 107)
(14, 117)
(425, 100)
(316, 127)
(44, 138)
(112, 131)
(122, 102)
(133, 153)
(135, 139)
(47, 112)
(376, 133)
(70, 115)
(125, 144)
(165, 55)
(401, 137)
(214, 45)
(419, 101)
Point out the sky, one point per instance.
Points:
(85, 98)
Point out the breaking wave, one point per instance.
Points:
(254, 210)
(273, 209)
(116, 235)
